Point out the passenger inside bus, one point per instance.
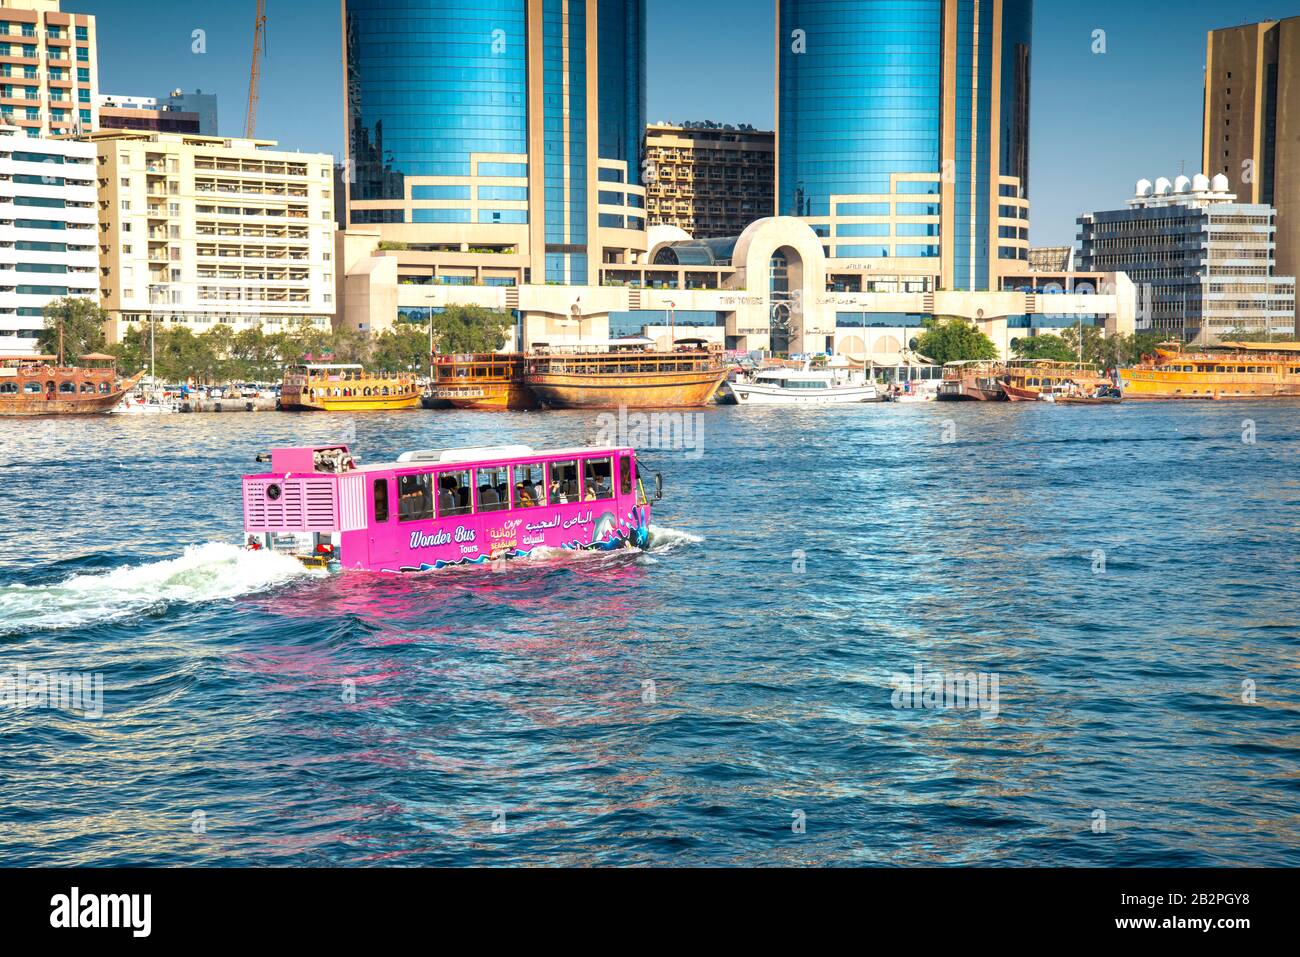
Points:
(457, 486)
(414, 497)
(492, 496)
(564, 482)
(531, 479)
(598, 478)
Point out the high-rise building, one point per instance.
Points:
(178, 112)
(1203, 259)
(202, 232)
(49, 243)
(496, 161)
(1252, 121)
(198, 102)
(708, 179)
(49, 73)
(903, 137)
(498, 140)
(144, 113)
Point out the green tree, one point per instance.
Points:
(1255, 334)
(459, 329)
(304, 338)
(349, 345)
(83, 327)
(952, 338)
(403, 348)
(132, 353)
(1044, 346)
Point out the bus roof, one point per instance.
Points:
(481, 454)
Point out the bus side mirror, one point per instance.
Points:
(659, 487)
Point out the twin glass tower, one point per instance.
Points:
(517, 127)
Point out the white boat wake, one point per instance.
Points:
(208, 572)
(667, 539)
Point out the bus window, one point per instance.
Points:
(564, 482)
(381, 500)
(597, 478)
(414, 497)
(530, 485)
(493, 489)
(625, 474)
(453, 493)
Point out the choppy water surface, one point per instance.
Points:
(1127, 575)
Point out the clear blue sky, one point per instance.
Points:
(1100, 122)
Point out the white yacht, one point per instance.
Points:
(804, 386)
(144, 403)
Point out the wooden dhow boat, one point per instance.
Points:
(972, 380)
(482, 381)
(627, 373)
(345, 387)
(43, 385)
(1225, 370)
(1028, 380)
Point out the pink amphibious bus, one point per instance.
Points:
(440, 507)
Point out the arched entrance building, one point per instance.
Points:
(772, 289)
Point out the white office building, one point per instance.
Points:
(48, 231)
(1206, 262)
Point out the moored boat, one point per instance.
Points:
(43, 385)
(483, 381)
(438, 507)
(972, 380)
(146, 403)
(625, 374)
(1088, 400)
(1227, 370)
(1028, 380)
(1017, 394)
(806, 386)
(345, 387)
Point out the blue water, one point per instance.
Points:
(725, 698)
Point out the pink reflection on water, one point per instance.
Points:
(561, 646)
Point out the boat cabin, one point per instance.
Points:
(436, 507)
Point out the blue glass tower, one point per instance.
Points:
(914, 112)
(500, 114)
(429, 82)
(859, 97)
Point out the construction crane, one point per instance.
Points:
(259, 43)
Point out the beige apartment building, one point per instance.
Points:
(707, 179)
(1252, 122)
(203, 231)
(49, 69)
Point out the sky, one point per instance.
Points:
(1100, 121)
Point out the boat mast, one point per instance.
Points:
(60, 343)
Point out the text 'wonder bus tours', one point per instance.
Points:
(440, 507)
